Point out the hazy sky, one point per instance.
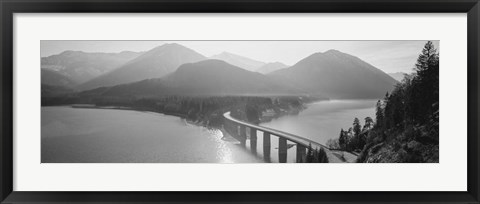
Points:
(389, 56)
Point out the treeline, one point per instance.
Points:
(252, 110)
(406, 126)
(415, 101)
(207, 111)
(203, 110)
(316, 155)
(353, 139)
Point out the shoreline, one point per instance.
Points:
(335, 153)
(92, 106)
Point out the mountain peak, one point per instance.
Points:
(204, 63)
(239, 61)
(155, 63)
(172, 45)
(212, 62)
(337, 75)
(171, 49)
(168, 46)
(332, 51)
(71, 53)
(224, 55)
(209, 66)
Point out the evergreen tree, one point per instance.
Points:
(425, 89)
(357, 128)
(379, 114)
(342, 140)
(348, 139)
(410, 112)
(322, 156)
(368, 123)
(309, 157)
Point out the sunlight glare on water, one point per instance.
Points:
(71, 135)
(224, 153)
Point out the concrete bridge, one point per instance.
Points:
(238, 130)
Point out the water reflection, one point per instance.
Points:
(71, 135)
(224, 153)
(323, 120)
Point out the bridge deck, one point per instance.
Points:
(333, 156)
(294, 138)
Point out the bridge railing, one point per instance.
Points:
(238, 129)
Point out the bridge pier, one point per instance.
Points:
(229, 128)
(282, 150)
(253, 140)
(243, 135)
(301, 150)
(238, 130)
(266, 146)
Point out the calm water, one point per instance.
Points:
(99, 135)
(323, 120)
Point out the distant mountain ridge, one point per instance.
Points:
(172, 69)
(239, 61)
(204, 78)
(337, 75)
(55, 78)
(398, 75)
(154, 63)
(82, 66)
(270, 67)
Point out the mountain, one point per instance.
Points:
(239, 61)
(205, 78)
(337, 75)
(155, 63)
(82, 66)
(397, 75)
(55, 78)
(270, 67)
(52, 91)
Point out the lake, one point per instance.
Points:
(83, 135)
(72, 135)
(323, 120)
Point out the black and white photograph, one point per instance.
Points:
(261, 101)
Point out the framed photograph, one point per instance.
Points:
(239, 101)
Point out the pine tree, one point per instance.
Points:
(322, 156)
(425, 89)
(427, 61)
(357, 128)
(379, 114)
(368, 123)
(342, 140)
(309, 157)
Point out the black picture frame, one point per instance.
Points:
(10, 7)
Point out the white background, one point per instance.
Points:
(449, 175)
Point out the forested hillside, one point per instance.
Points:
(406, 126)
